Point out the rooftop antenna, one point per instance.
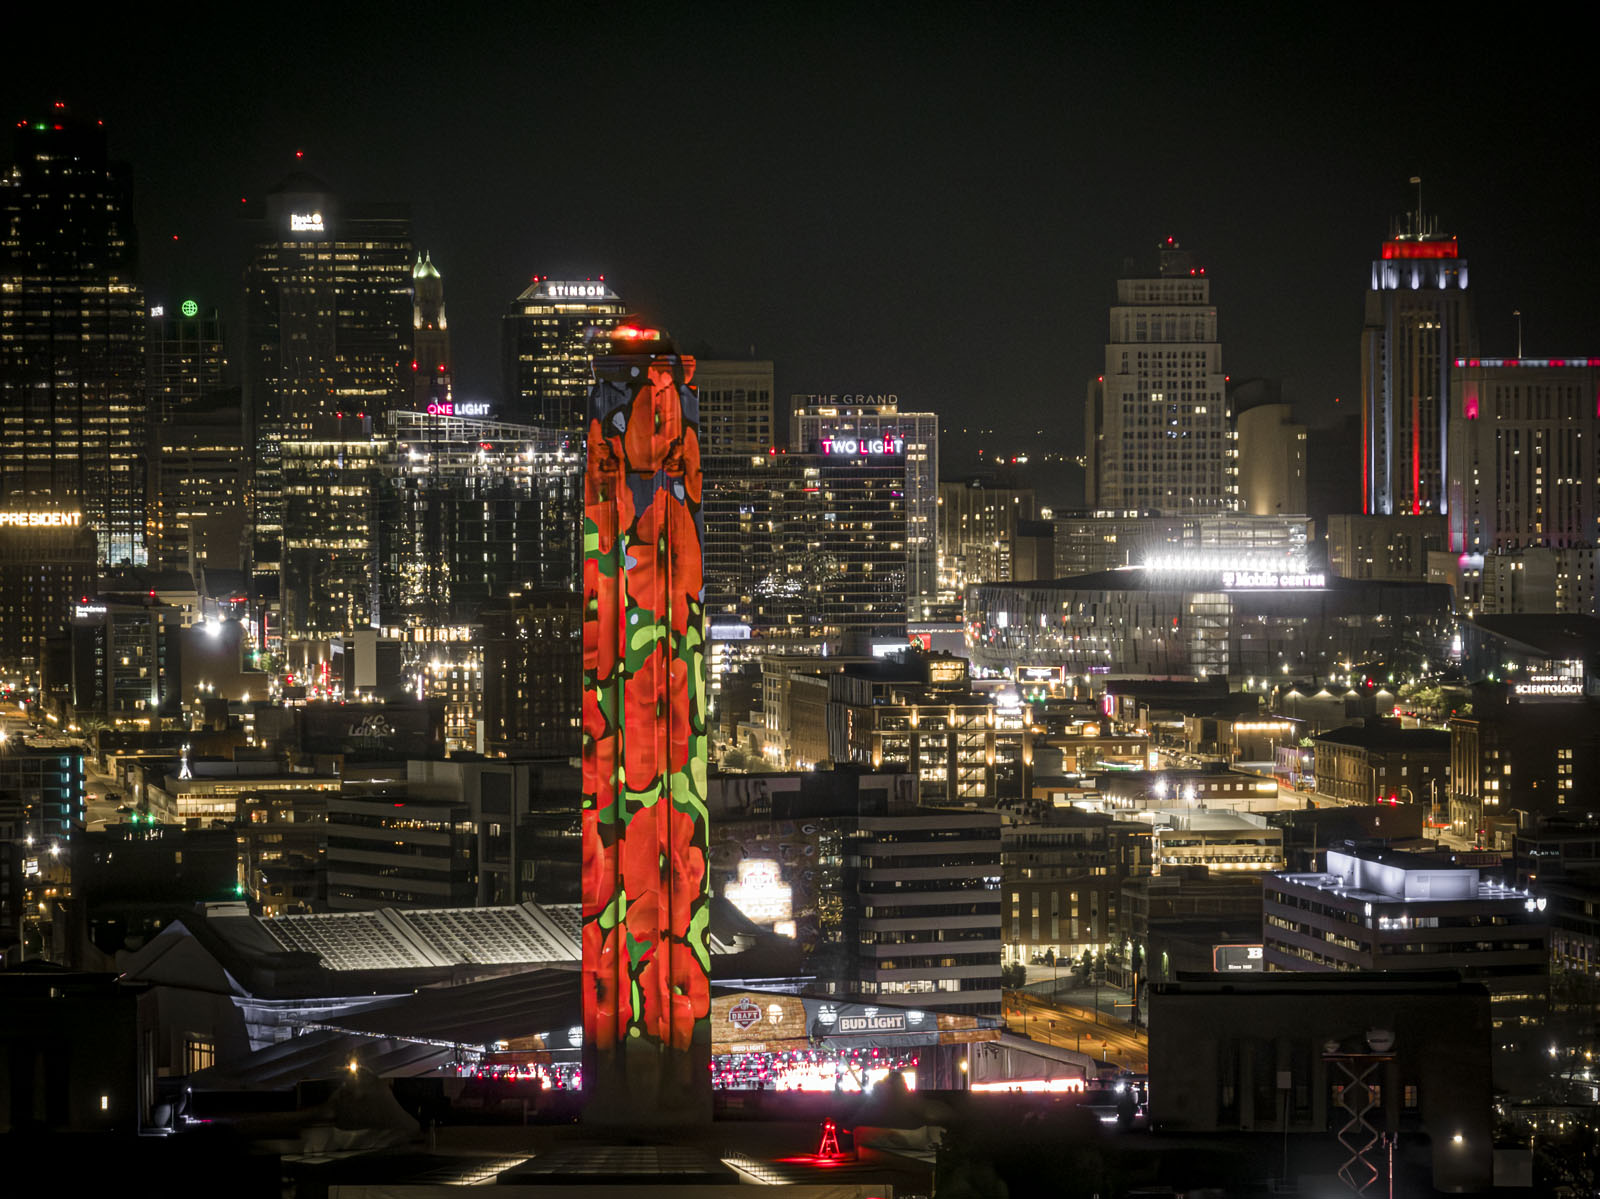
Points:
(1517, 312)
(1417, 179)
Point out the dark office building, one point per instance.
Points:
(45, 569)
(72, 326)
(43, 785)
(474, 511)
(329, 480)
(533, 675)
(887, 901)
(545, 340)
(125, 661)
(73, 1060)
(184, 355)
(128, 878)
(329, 328)
(199, 479)
(400, 852)
(808, 544)
(1528, 751)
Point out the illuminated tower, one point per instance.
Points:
(72, 405)
(880, 432)
(546, 346)
(430, 349)
(328, 327)
(1419, 320)
(1158, 436)
(646, 895)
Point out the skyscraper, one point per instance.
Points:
(806, 546)
(1524, 485)
(199, 460)
(328, 313)
(430, 350)
(1524, 454)
(546, 349)
(472, 512)
(873, 428)
(185, 357)
(199, 474)
(1419, 321)
(736, 406)
(1158, 435)
(329, 575)
(72, 405)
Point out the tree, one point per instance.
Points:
(1013, 975)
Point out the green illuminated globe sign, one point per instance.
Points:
(189, 308)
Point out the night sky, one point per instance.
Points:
(931, 200)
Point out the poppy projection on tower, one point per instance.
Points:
(646, 890)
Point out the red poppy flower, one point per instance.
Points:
(676, 994)
(659, 862)
(644, 717)
(680, 727)
(670, 519)
(602, 630)
(607, 500)
(599, 866)
(599, 754)
(655, 421)
(691, 995)
(684, 462)
(607, 1004)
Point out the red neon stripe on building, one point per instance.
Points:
(1416, 455)
(1421, 249)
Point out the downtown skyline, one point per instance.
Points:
(911, 202)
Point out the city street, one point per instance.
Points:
(1070, 1026)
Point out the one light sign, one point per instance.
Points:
(451, 408)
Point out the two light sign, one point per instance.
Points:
(863, 445)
